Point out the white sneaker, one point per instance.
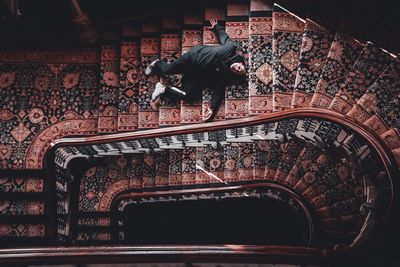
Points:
(159, 90)
(150, 67)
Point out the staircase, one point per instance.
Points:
(293, 63)
(336, 178)
(23, 213)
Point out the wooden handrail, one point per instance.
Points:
(186, 253)
(373, 140)
(369, 136)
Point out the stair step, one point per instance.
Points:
(149, 170)
(392, 140)
(162, 168)
(287, 34)
(93, 237)
(306, 157)
(367, 68)
(239, 162)
(192, 35)
(210, 164)
(149, 51)
(343, 52)
(342, 208)
(22, 230)
(136, 172)
(336, 194)
(171, 48)
(348, 222)
(209, 38)
(189, 166)
(129, 69)
(109, 82)
(290, 152)
(314, 174)
(260, 158)
(175, 167)
(272, 161)
(260, 58)
(314, 51)
(22, 207)
(380, 100)
(30, 184)
(332, 175)
(237, 27)
(95, 221)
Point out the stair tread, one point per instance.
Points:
(366, 69)
(237, 27)
(209, 38)
(129, 69)
(287, 33)
(109, 82)
(149, 51)
(192, 35)
(171, 47)
(380, 99)
(314, 50)
(260, 61)
(343, 52)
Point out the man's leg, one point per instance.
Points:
(178, 66)
(169, 91)
(189, 92)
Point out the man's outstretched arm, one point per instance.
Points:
(223, 37)
(217, 95)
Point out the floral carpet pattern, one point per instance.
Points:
(35, 95)
(260, 58)
(314, 50)
(46, 95)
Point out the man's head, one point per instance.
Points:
(238, 68)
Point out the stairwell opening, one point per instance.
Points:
(243, 219)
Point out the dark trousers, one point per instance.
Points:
(191, 83)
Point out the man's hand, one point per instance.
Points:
(209, 115)
(155, 103)
(213, 22)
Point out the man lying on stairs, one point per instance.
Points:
(211, 67)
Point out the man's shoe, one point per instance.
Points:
(150, 67)
(159, 90)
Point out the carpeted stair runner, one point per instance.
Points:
(129, 69)
(327, 183)
(171, 47)
(109, 82)
(209, 38)
(291, 63)
(149, 51)
(367, 68)
(260, 58)
(343, 52)
(192, 35)
(314, 50)
(237, 27)
(287, 34)
(23, 210)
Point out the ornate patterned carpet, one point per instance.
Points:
(291, 62)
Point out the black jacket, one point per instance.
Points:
(210, 65)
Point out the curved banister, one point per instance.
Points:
(290, 193)
(371, 137)
(187, 253)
